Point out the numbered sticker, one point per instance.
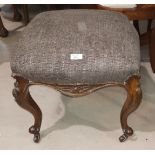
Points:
(76, 56)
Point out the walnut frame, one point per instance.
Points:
(24, 99)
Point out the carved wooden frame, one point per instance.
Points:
(24, 99)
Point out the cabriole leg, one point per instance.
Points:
(131, 104)
(24, 100)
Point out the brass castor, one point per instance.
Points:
(127, 132)
(35, 130)
(36, 138)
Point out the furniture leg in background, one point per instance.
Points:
(17, 16)
(149, 24)
(152, 49)
(3, 30)
(136, 25)
(25, 14)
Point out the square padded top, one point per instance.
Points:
(107, 42)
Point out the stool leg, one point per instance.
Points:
(24, 100)
(131, 104)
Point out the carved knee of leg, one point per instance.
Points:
(135, 91)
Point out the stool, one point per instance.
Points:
(77, 52)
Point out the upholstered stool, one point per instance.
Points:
(77, 52)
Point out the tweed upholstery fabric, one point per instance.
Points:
(107, 40)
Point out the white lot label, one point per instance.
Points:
(76, 56)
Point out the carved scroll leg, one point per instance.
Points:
(131, 104)
(24, 100)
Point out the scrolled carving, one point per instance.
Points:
(78, 90)
(35, 130)
(15, 91)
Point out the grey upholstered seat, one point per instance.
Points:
(107, 40)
